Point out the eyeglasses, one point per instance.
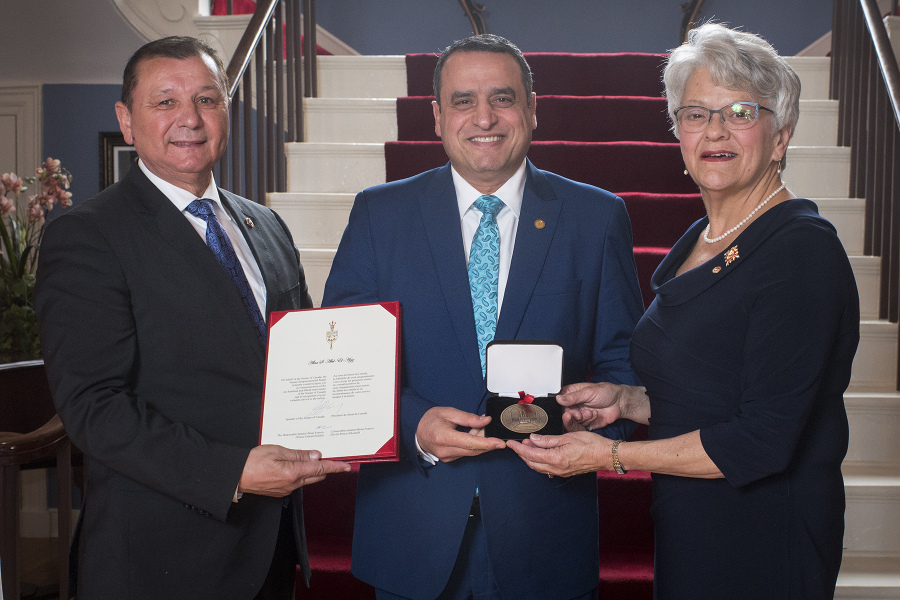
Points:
(738, 115)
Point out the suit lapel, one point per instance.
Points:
(532, 245)
(256, 241)
(172, 226)
(440, 214)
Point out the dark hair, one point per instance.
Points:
(486, 42)
(180, 47)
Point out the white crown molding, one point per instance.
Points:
(161, 18)
(152, 20)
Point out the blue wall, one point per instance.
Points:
(401, 26)
(74, 116)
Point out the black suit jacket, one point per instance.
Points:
(157, 374)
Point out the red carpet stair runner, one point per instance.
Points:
(602, 121)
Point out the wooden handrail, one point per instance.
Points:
(690, 10)
(249, 41)
(866, 79)
(886, 58)
(266, 80)
(473, 12)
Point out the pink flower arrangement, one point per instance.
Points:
(54, 181)
(21, 231)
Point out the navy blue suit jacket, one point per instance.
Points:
(572, 282)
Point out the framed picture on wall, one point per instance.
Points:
(116, 157)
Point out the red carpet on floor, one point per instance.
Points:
(619, 167)
(621, 74)
(568, 118)
(602, 121)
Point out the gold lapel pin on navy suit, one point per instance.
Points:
(249, 222)
(539, 224)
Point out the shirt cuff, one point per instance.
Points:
(237, 495)
(428, 457)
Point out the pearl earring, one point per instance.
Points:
(685, 171)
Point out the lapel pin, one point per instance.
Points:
(539, 224)
(249, 222)
(716, 269)
(732, 255)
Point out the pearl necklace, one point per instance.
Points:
(741, 224)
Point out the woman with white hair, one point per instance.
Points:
(745, 352)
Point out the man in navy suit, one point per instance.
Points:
(155, 355)
(460, 516)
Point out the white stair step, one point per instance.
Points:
(818, 124)
(316, 220)
(875, 364)
(385, 76)
(848, 217)
(362, 76)
(317, 225)
(316, 266)
(818, 171)
(813, 171)
(874, 422)
(872, 518)
(893, 28)
(327, 167)
(846, 214)
(362, 120)
(867, 271)
(868, 578)
(815, 75)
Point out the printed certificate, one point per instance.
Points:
(332, 379)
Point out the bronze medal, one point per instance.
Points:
(524, 418)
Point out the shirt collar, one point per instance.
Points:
(510, 192)
(181, 197)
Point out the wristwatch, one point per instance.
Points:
(615, 456)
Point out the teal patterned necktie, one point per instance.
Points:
(484, 272)
(218, 242)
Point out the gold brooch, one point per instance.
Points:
(716, 269)
(732, 255)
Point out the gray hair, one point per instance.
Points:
(735, 60)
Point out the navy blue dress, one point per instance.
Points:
(754, 349)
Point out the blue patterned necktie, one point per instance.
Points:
(218, 242)
(484, 272)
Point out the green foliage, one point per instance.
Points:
(19, 333)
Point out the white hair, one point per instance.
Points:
(739, 61)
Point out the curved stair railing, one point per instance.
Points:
(272, 69)
(866, 80)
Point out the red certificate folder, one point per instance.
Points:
(332, 381)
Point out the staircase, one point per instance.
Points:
(372, 122)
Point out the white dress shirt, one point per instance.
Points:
(511, 194)
(181, 198)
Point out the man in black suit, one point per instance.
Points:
(152, 299)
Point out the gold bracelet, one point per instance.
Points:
(615, 456)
